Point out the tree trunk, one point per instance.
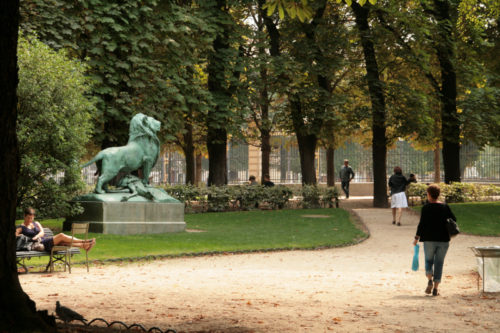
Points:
(217, 154)
(330, 167)
(17, 311)
(437, 165)
(188, 148)
(450, 125)
(307, 150)
(218, 116)
(190, 165)
(198, 169)
(265, 126)
(266, 152)
(379, 145)
(306, 140)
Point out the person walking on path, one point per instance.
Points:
(346, 175)
(433, 233)
(397, 184)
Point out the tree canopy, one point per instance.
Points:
(55, 121)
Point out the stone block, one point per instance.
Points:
(130, 218)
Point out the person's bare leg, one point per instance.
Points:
(428, 290)
(85, 246)
(394, 215)
(400, 213)
(59, 238)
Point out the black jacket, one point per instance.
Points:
(432, 226)
(398, 183)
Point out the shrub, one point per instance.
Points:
(186, 194)
(330, 196)
(278, 196)
(248, 196)
(54, 125)
(218, 198)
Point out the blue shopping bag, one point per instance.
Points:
(414, 266)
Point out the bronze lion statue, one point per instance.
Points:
(141, 152)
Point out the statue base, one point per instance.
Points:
(129, 218)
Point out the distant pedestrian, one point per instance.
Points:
(433, 233)
(412, 179)
(398, 183)
(267, 181)
(252, 181)
(346, 175)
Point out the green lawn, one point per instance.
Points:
(477, 218)
(228, 232)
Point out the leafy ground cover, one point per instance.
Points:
(477, 218)
(229, 232)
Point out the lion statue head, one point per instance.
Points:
(144, 126)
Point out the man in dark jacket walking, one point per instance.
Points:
(346, 175)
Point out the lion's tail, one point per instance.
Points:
(98, 157)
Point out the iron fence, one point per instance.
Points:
(476, 165)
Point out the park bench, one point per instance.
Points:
(58, 256)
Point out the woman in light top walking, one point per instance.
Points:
(398, 183)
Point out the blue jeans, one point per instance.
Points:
(345, 188)
(434, 256)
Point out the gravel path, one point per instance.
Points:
(368, 287)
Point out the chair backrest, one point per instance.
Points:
(79, 228)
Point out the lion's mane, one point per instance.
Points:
(139, 127)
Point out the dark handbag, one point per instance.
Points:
(22, 243)
(452, 227)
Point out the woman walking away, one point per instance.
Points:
(433, 232)
(398, 183)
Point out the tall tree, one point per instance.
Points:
(17, 311)
(377, 97)
(305, 59)
(224, 68)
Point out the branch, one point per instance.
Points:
(410, 51)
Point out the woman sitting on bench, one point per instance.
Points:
(35, 231)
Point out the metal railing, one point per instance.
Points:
(477, 165)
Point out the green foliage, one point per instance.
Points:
(456, 192)
(218, 198)
(278, 196)
(186, 194)
(314, 196)
(54, 124)
(248, 196)
(300, 9)
(418, 190)
(142, 54)
(330, 196)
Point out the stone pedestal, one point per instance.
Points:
(130, 218)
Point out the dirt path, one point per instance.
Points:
(368, 287)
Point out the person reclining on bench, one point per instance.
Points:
(35, 231)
